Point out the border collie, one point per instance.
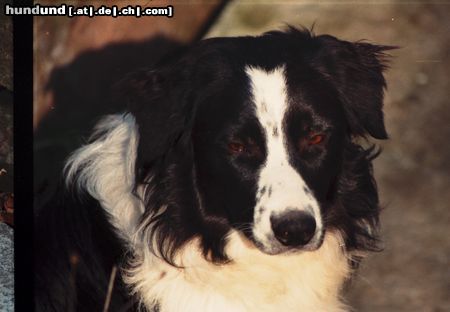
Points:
(234, 182)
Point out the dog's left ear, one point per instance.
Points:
(356, 71)
(158, 100)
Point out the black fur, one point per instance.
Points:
(76, 249)
(186, 111)
(200, 89)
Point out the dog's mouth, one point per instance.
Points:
(272, 246)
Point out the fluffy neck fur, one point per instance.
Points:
(252, 281)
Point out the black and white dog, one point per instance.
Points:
(234, 183)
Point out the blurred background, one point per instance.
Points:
(77, 61)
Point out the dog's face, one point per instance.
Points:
(260, 126)
(267, 148)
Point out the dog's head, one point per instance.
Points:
(256, 134)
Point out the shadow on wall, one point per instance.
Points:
(82, 92)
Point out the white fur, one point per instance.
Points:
(277, 177)
(253, 281)
(105, 169)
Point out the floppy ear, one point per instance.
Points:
(158, 101)
(356, 71)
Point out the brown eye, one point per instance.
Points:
(236, 147)
(316, 139)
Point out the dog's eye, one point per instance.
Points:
(315, 139)
(310, 140)
(247, 148)
(236, 147)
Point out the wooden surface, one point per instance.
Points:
(59, 40)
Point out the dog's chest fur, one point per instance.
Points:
(253, 281)
(309, 281)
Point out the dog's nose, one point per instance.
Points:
(294, 228)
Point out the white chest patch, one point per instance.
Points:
(280, 187)
(254, 281)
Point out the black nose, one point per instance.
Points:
(295, 228)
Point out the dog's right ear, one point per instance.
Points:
(157, 100)
(356, 70)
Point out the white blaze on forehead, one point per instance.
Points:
(280, 187)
